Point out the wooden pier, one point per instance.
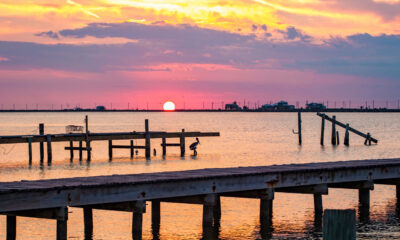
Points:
(51, 198)
(83, 141)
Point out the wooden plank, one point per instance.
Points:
(344, 126)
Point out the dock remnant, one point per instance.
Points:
(368, 137)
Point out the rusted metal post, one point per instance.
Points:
(147, 145)
(333, 139)
(41, 132)
(182, 143)
(49, 150)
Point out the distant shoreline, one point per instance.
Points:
(380, 110)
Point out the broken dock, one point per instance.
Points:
(52, 198)
(81, 142)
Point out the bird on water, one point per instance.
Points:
(193, 146)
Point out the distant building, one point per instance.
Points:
(100, 108)
(315, 106)
(268, 107)
(232, 107)
(283, 105)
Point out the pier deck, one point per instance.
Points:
(203, 186)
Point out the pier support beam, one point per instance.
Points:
(147, 143)
(132, 148)
(41, 144)
(110, 150)
(11, 227)
(164, 146)
(322, 130)
(88, 222)
(30, 150)
(333, 138)
(137, 219)
(49, 150)
(80, 150)
(71, 151)
(299, 126)
(155, 218)
(182, 143)
(318, 208)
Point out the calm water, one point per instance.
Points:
(247, 139)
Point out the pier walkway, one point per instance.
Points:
(51, 198)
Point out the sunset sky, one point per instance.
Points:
(193, 52)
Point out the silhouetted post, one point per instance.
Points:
(347, 136)
(71, 150)
(110, 150)
(182, 143)
(155, 217)
(41, 132)
(322, 130)
(88, 148)
(299, 126)
(318, 209)
(137, 219)
(80, 150)
(164, 146)
(339, 224)
(62, 224)
(30, 150)
(147, 145)
(11, 227)
(132, 149)
(208, 216)
(368, 139)
(266, 205)
(333, 139)
(337, 138)
(49, 150)
(88, 222)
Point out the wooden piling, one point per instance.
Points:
(137, 219)
(88, 222)
(339, 224)
(80, 150)
(322, 130)
(155, 218)
(88, 148)
(11, 227)
(333, 138)
(61, 229)
(164, 146)
(49, 150)
(364, 197)
(266, 205)
(208, 212)
(182, 143)
(147, 143)
(337, 138)
(71, 151)
(132, 148)
(299, 126)
(318, 209)
(41, 132)
(110, 150)
(347, 136)
(30, 150)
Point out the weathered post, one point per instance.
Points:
(155, 217)
(182, 143)
(208, 216)
(88, 148)
(322, 130)
(347, 136)
(137, 219)
(41, 132)
(147, 145)
(337, 138)
(339, 224)
(299, 126)
(80, 150)
(333, 139)
(11, 227)
(318, 209)
(132, 149)
(49, 150)
(364, 203)
(88, 222)
(110, 150)
(30, 150)
(266, 205)
(71, 150)
(164, 146)
(62, 219)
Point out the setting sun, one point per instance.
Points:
(169, 106)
